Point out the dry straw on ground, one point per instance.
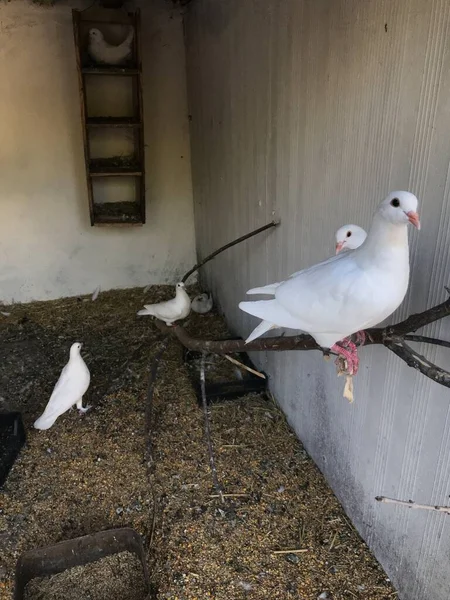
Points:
(91, 473)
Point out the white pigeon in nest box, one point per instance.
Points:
(171, 310)
(202, 304)
(69, 389)
(103, 52)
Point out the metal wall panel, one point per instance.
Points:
(311, 111)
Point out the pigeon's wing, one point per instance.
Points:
(65, 393)
(339, 296)
(165, 310)
(313, 268)
(272, 312)
(62, 381)
(270, 289)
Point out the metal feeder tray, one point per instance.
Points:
(227, 390)
(12, 438)
(80, 551)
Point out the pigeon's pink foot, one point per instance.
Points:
(361, 337)
(348, 350)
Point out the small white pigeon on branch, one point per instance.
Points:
(349, 237)
(349, 292)
(69, 389)
(171, 310)
(103, 52)
(202, 303)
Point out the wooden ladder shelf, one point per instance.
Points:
(125, 172)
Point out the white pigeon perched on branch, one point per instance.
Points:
(349, 237)
(349, 292)
(171, 310)
(202, 304)
(103, 52)
(69, 389)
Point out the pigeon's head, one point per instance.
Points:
(349, 237)
(180, 286)
(399, 208)
(95, 35)
(75, 349)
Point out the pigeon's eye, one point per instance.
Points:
(349, 233)
(395, 202)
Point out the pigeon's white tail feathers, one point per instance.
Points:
(45, 421)
(146, 311)
(271, 311)
(129, 37)
(259, 331)
(265, 289)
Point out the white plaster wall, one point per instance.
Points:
(47, 247)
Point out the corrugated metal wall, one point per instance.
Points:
(311, 111)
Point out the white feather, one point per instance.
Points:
(95, 294)
(261, 329)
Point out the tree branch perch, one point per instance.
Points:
(393, 337)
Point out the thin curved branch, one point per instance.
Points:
(229, 245)
(427, 340)
(419, 320)
(417, 361)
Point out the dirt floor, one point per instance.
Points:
(95, 472)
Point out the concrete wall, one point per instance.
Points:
(47, 246)
(312, 110)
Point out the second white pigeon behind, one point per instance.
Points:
(171, 310)
(103, 52)
(69, 389)
(349, 237)
(202, 303)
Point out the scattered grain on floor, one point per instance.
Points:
(91, 473)
(115, 577)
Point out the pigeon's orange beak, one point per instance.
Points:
(413, 218)
(339, 247)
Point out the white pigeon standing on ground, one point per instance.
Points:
(103, 52)
(202, 303)
(349, 292)
(171, 310)
(349, 237)
(69, 389)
